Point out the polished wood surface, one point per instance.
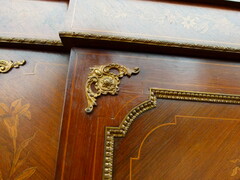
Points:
(34, 97)
(32, 19)
(155, 20)
(30, 114)
(83, 134)
(181, 140)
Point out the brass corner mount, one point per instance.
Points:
(105, 82)
(6, 66)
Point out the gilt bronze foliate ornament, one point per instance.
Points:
(6, 66)
(105, 82)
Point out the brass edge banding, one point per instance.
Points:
(45, 42)
(147, 42)
(155, 93)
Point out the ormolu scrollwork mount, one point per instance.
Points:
(105, 82)
(6, 66)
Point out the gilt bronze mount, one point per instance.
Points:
(105, 82)
(6, 66)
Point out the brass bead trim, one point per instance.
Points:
(155, 93)
(147, 41)
(45, 42)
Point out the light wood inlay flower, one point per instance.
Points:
(11, 116)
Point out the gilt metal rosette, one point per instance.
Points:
(6, 66)
(105, 82)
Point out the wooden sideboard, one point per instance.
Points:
(143, 119)
(130, 89)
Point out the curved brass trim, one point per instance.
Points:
(45, 42)
(105, 82)
(6, 66)
(147, 41)
(155, 93)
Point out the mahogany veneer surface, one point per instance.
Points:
(30, 114)
(201, 143)
(181, 140)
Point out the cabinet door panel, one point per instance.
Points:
(83, 138)
(180, 140)
(30, 114)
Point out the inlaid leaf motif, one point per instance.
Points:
(27, 114)
(16, 105)
(20, 163)
(11, 124)
(23, 145)
(23, 110)
(235, 160)
(3, 109)
(235, 171)
(26, 173)
(11, 117)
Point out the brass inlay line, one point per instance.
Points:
(6, 66)
(235, 170)
(155, 93)
(140, 148)
(105, 82)
(170, 124)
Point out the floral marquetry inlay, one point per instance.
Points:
(200, 21)
(10, 117)
(105, 82)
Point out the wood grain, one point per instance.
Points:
(170, 22)
(30, 115)
(180, 139)
(32, 19)
(82, 135)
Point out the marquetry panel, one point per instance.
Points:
(188, 140)
(175, 24)
(31, 100)
(83, 134)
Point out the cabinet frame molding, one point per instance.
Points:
(155, 93)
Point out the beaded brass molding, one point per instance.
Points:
(105, 82)
(6, 66)
(46, 42)
(147, 41)
(155, 93)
